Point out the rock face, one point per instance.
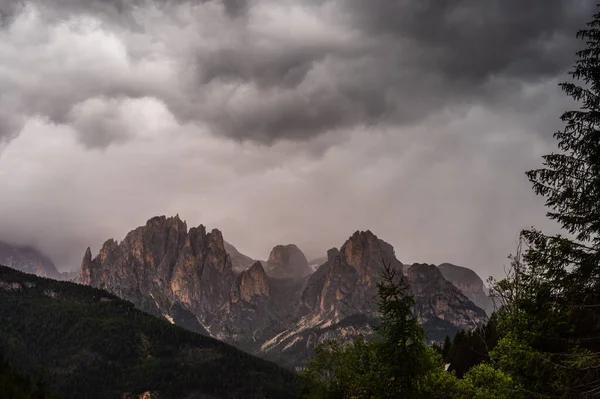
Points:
(470, 284)
(161, 266)
(280, 311)
(441, 308)
(28, 260)
(339, 299)
(287, 261)
(187, 277)
(250, 284)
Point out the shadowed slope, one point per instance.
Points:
(89, 343)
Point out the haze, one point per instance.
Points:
(282, 121)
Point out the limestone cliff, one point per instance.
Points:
(441, 308)
(251, 284)
(186, 276)
(161, 266)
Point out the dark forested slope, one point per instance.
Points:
(86, 343)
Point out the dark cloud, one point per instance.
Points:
(369, 63)
(412, 59)
(236, 8)
(415, 119)
(472, 40)
(113, 11)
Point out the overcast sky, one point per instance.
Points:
(280, 121)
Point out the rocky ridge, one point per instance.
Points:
(279, 310)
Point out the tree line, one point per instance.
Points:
(544, 339)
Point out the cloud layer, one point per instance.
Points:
(281, 121)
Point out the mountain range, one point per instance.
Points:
(29, 260)
(281, 308)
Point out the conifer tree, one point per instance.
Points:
(402, 350)
(553, 292)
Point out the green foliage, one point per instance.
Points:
(393, 365)
(544, 341)
(471, 348)
(446, 349)
(338, 371)
(485, 382)
(401, 349)
(480, 382)
(87, 343)
(551, 315)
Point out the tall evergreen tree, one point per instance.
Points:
(552, 295)
(402, 350)
(393, 365)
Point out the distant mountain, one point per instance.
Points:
(339, 300)
(69, 276)
(239, 261)
(441, 308)
(87, 343)
(279, 310)
(287, 261)
(28, 260)
(469, 283)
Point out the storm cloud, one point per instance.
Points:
(282, 121)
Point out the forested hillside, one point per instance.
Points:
(83, 342)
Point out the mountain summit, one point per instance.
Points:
(287, 261)
(279, 310)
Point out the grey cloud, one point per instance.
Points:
(99, 123)
(472, 39)
(384, 63)
(414, 58)
(114, 9)
(236, 8)
(416, 122)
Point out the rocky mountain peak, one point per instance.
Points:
(422, 275)
(164, 261)
(276, 308)
(216, 240)
(439, 304)
(469, 283)
(251, 283)
(332, 254)
(366, 253)
(84, 273)
(87, 257)
(461, 277)
(346, 284)
(287, 261)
